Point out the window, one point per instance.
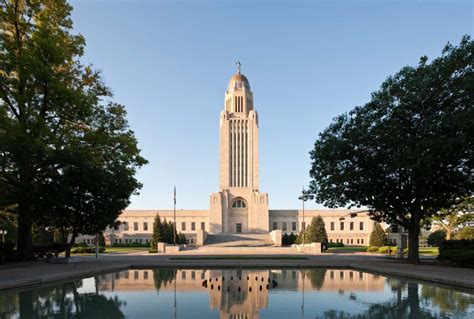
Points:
(283, 225)
(183, 226)
(203, 226)
(125, 226)
(351, 225)
(145, 226)
(342, 225)
(145, 275)
(352, 241)
(135, 226)
(293, 226)
(135, 274)
(239, 203)
(330, 240)
(193, 226)
(332, 225)
(347, 241)
(275, 225)
(362, 241)
(116, 226)
(361, 225)
(183, 274)
(358, 240)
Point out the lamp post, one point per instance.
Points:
(303, 197)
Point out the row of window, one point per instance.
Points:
(131, 240)
(359, 241)
(351, 226)
(145, 226)
(193, 226)
(284, 226)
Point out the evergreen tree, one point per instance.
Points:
(378, 237)
(316, 232)
(158, 235)
(436, 238)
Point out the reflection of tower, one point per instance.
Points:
(238, 293)
(238, 206)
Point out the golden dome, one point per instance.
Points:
(239, 80)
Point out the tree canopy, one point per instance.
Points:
(408, 153)
(68, 157)
(378, 237)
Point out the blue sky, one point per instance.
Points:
(169, 63)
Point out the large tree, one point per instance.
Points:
(408, 152)
(452, 219)
(50, 105)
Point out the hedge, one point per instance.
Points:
(86, 250)
(373, 249)
(385, 249)
(459, 257)
(457, 252)
(335, 245)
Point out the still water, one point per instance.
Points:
(239, 294)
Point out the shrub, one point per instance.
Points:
(7, 251)
(466, 233)
(153, 251)
(458, 257)
(373, 249)
(436, 238)
(86, 250)
(47, 251)
(456, 244)
(377, 236)
(316, 232)
(288, 239)
(387, 249)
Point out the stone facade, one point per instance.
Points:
(239, 206)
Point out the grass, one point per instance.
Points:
(347, 249)
(236, 257)
(429, 251)
(125, 249)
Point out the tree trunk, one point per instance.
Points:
(448, 233)
(414, 238)
(69, 245)
(24, 238)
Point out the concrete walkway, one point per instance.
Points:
(24, 274)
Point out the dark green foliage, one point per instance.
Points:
(86, 250)
(289, 239)
(164, 232)
(47, 250)
(181, 239)
(436, 238)
(466, 233)
(456, 244)
(458, 257)
(457, 252)
(409, 152)
(68, 156)
(316, 232)
(377, 236)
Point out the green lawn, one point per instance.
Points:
(429, 251)
(125, 249)
(348, 249)
(224, 257)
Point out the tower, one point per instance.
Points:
(238, 206)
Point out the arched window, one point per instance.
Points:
(239, 203)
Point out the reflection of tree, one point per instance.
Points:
(408, 307)
(64, 301)
(447, 300)
(163, 276)
(316, 276)
(8, 304)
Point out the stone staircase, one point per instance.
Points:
(239, 240)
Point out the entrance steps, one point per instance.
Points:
(239, 240)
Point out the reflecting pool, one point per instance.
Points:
(238, 293)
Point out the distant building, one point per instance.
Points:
(239, 206)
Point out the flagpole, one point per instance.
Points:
(174, 216)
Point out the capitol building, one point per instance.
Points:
(239, 206)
